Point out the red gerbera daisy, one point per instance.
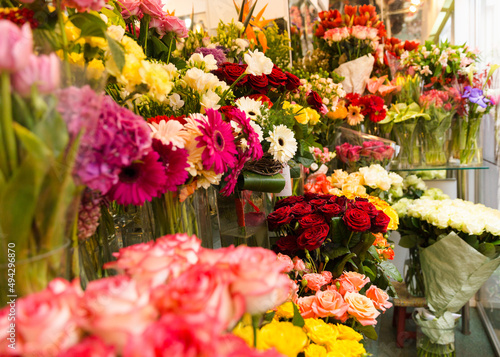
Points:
(218, 140)
(140, 181)
(175, 163)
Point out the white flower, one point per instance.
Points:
(239, 25)
(241, 45)
(425, 70)
(258, 63)
(283, 144)
(209, 100)
(175, 101)
(168, 132)
(200, 81)
(250, 106)
(314, 166)
(258, 130)
(207, 63)
(116, 32)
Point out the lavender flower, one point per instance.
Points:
(218, 54)
(475, 95)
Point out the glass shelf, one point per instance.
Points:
(436, 168)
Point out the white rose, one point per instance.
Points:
(473, 225)
(314, 166)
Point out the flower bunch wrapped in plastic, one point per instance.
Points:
(171, 297)
(370, 152)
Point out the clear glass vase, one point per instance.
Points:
(436, 135)
(414, 278)
(465, 145)
(407, 135)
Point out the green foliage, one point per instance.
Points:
(279, 46)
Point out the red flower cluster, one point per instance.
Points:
(396, 47)
(370, 151)
(306, 219)
(333, 19)
(19, 16)
(230, 72)
(181, 119)
(372, 106)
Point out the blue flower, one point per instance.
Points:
(475, 95)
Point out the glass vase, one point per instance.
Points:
(407, 137)
(170, 215)
(436, 134)
(414, 278)
(465, 145)
(242, 218)
(298, 179)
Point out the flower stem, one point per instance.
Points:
(64, 38)
(169, 49)
(8, 160)
(224, 95)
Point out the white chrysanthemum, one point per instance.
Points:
(168, 132)
(258, 63)
(283, 144)
(250, 106)
(175, 101)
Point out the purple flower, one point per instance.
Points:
(475, 95)
(218, 54)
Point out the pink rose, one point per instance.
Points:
(202, 293)
(168, 24)
(360, 32)
(84, 5)
(298, 265)
(362, 308)
(115, 309)
(353, 154)
(293, 292)
(45, 323)
(130, 8)
(329, 303)
(315, 281)
(351, 282)
(328, 275)
(287, 262)
(16, 46)
(90, 346)
(371, 33)
(379, 297)
(305, 306)
(42, 71)
(154, 8)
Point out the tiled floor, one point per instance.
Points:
(475, 344)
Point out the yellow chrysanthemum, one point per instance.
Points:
(319, 331)
(288, 339)
(285, 310)
(339, 113)
(315, 351)
(346, 333)
(131, 47)
(245, 333)
(95, 69)
(345, 348)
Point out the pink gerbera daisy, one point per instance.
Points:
(232, 178)
(254, 148)
(140, 181)
(218, 142)
(175, 163)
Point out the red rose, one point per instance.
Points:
(277, 78)
(311, 220)
(262, 98)
(353, 153)
(233, 71)
(311, 196)
(287, 244)
(331, 210)
(342, 201)
(317, 203)
(289, 201)
(357, 220)
(226, 110)
(380, 223)
(301, 209)
(314, 100)
(365, 206)
(313, 237)
(282, 215)
(292, 81)
(258, 83)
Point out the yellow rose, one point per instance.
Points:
(346, 333)
(356, 178)
(338, 178)
(288, 339)
(95, 69)
(315, 351)
(131, 47)
(319, 331)
(353, 189)
(388, 210)
(285, 310)
(345, 348)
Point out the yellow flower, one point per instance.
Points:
(356, 178)
(339, 113)
(388, 210)
(354, 117)
(353, 189)
(131, 47)
(158, 80)
(338, 178)
(315, 351)
(286, 104)
(245, 333)
(313, 116)
(319, 331)
(346, 333)
(72, 32)
(284, 336)
(285, 310)
(345, 348)
(95, 69)
(98, 42)
(73, 57)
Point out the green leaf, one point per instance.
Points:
(340, 266)
(368, 331)
(305, 161)
(472, 241)
(338, 230)
(117, 52)
(369, 273)
(390, 270)
(408, 241)
(487, 249)
(297, 320)
(268, 317)
(373, 251)
(335, 252)
(90, 25)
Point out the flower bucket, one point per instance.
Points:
(435, 338)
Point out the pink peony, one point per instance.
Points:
(89, 347)
(305, 306)
(16, 46)
(329, 303)
(202, 294)
(362, 308)
(116, 309)
(42, 72)
(287, 262)
(379, 297)
(315, 281)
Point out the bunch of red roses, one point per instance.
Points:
(371, 106)
(249, 83)
(307, 222)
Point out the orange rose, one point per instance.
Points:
(362, 308)
(305, 306)
(379, 298)
(329, 303)
(351, 282)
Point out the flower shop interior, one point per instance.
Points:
(243, 178)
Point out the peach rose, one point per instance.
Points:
(328, 275)
(315, 281)
(379, 298)
(362, 308)
(298, 265)
(329, 303)
(305, 306)
(351, 282)
(287, 262)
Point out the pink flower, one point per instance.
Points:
(336, 34)
(305, 306)
(16, 46)
(115, 309)
(167, 23)
(90, 346)
(202, 294)
(298, 265)
(379, 297)
(175, 163)
(287, 262)
(42, 71)
(130, 8)
(328, 275)
(232, 346)
(154, 8)
(351, 282)
(371, 33)
(362, 308)
(315, 281)
(360, 32)
(85, 5)
(329, 303)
